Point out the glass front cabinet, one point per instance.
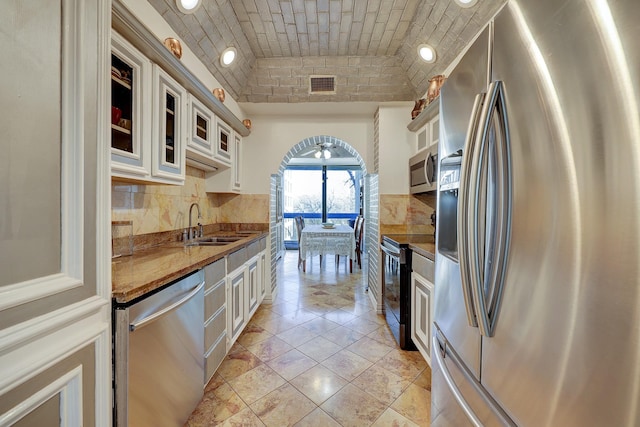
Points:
(130, 119)
(168, 130)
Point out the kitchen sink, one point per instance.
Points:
(214, 241)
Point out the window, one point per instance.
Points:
(320, 194)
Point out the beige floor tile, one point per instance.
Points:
(300, 316)
(339, 316)
(296, 336)
(381, 384)
(361, 325)
(319, 348)
(269, 348)
(256, 383)
(347, 364)
(407, 364)
(424, 379)
(415, 404)
(392, 418)
(370, 349)
(277, 324)
(352, 407)
(244, 418)
(319, 383)
(216, 406)
(384, 335)
(320, 325)
(291, 364)
(252, 334)
(342, 336)
(236, 364)
(275, 409)
(317, 418)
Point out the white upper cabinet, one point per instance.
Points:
(208, 142)
(224, 136)
(130, 116)
(228, 180)
(169, 128)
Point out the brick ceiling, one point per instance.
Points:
(369, 46)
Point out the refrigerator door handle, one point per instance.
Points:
(451, 383)
(463, 216)
(487, 307)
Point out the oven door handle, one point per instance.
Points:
(390, 253)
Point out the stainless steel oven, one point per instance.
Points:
(396, 291)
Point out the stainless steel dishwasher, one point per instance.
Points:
(158, 355)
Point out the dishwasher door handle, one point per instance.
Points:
(153, 316)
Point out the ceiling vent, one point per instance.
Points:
(322, 84)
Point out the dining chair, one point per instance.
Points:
(299, 226)
(359, 229)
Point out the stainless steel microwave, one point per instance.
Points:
(423, 171)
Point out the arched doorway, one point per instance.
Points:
(370, 201)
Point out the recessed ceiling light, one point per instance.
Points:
(188, 6)
(427, 53)
(227, 57)
(466, 3)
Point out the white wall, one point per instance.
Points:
(396, 146)
(273, 136)
(158, 26)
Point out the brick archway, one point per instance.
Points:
(306, 143)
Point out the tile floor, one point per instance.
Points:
(318, 356)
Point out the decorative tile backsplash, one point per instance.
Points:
(404, 213)
(160, 208)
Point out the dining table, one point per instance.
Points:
(317, 239)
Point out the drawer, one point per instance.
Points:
(423, 266)
(253, 249)
(213, 273)
(215, 327)
(214, 298)
(214, 358)
(236, 259)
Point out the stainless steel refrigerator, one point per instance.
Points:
(537, 293)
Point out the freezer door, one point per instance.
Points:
(566, 347)
(460, 400)
(458, 96)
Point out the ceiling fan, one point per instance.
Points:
(322, 150)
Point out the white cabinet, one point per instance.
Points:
(168, 134)
(253, 284)
(263, 276)
(209, 139)
(148, 122)
(215, 317)
(237, 314)
(429, 134)
(223, 142)
(422, 289)
(130, 113)
(228, 180)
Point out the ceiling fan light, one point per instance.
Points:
(188, 6)
(327, 154)
(317, 154)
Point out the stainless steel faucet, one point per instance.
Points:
(193, 233)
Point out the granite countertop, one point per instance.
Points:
(149, 269)
(423, 244)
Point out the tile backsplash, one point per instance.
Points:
(160, 208)
(404, 213)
